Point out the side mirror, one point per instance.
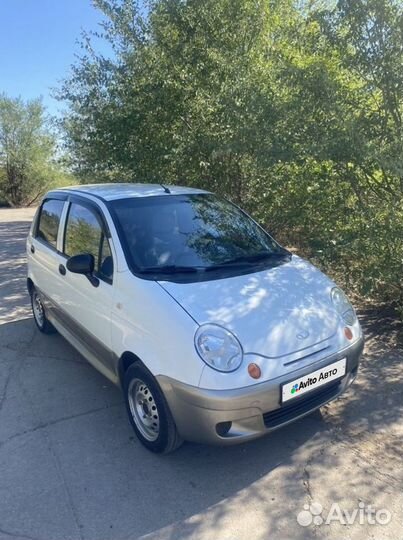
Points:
(83, 264)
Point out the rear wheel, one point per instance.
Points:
(148, 411)
(39, 314)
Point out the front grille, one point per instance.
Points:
(301, 405)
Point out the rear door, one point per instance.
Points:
(86, 309)
(44, 255)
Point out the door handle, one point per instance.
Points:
(32, 248)
(62, 269)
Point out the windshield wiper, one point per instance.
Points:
(170, 269)
(238, 261)
(247, 259)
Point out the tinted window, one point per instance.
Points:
(85, 234)
(49, 220)
(199, 231)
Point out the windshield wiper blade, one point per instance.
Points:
(238, 261)
(247, 259)
(169, 269)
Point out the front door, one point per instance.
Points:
(85, 308)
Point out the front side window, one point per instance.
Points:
(49, 220)
(85, 234)
(188, 233)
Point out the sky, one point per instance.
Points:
(37, 45)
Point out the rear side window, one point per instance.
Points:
(85, 234)
(49, 219)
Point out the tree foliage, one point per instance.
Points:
(292, 109)
(27, 148)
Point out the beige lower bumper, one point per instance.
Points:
(232, 416)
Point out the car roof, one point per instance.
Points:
(110, 192)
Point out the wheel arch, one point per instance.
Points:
(127, 359)
(30, 285)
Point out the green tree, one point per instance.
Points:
(191, 95)
(26, 151)
(291, 108)
(354, 141)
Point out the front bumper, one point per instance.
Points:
(232, 416)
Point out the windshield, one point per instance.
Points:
(189, 232)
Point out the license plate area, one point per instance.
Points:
(311, 381)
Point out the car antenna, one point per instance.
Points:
(166, 190)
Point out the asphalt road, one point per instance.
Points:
(70, 467)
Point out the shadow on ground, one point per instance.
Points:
(383, 327)
(54, 400)
(71, 467)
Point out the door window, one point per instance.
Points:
(49, 219)
(85, 234)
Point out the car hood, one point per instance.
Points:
(274, 313)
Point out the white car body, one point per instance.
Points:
(283, 318)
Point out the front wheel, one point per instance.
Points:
(39, 314)
(148, 411)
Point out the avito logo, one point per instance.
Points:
(303, 384)
(294, 389)
(313, 380)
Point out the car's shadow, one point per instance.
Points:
(115, 484)
(61, 419)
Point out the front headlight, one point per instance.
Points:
(218, 347)
(343, 306)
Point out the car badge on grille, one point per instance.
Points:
(303, 335)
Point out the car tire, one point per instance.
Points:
(148, 411)
(39, 314)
